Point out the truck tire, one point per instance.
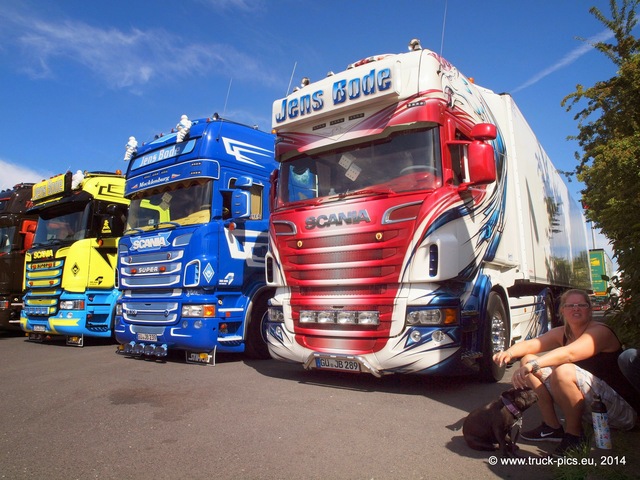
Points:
(256, 342)
(112, 326)
(555, 320)
(496, 338)
(552, 320)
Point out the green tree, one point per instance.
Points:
(608, 115)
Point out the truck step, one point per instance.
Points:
(230, 339)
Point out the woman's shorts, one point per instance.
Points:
(621, 415)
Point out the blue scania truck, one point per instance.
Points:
(191, 261)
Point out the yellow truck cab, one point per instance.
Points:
(69, 271)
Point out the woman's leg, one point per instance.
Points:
(568, 397)
(545, 401)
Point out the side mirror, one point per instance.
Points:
(116, 218)
(484, 132)
(243, 182)
(482, 163)
(240, 204)
(273, 182)
(28, 230)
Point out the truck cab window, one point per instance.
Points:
(184, 203)
(404, 161)
(67, 227)
(256, 192)
(458, 153)
(6, 235)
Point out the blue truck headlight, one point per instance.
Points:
(198, 311)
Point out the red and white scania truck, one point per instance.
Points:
(417, 224)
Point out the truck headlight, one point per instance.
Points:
(276, 315)
(341, 317)
(431, 316)
(201, 311)
(72, 305)
(368, 318)
(346, 318)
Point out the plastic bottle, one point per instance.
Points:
(600, 424)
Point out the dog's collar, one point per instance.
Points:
(511, 407)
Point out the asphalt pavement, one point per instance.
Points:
(88, 413)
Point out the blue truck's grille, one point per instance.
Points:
(149, 270)
(156, 312)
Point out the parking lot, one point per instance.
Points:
(88, 413)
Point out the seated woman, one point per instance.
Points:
(568, 366)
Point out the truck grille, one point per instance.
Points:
(147, 312)
(43, 280)
(357, 258)
(148, 270)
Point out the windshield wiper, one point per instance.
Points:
(367, 191)
(166, 224)
(133, 230)
(53, 241)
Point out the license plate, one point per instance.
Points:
(201, 358)
(337, 364)
(39, 328)
(147, 337)
(76, 341)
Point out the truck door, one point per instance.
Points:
(245, 233)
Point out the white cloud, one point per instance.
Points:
(122, 59)
(236, 5)
(13, 174)
(568, 59)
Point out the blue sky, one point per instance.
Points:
(78, 78)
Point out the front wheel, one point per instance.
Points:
(496, 339)
(256, 341)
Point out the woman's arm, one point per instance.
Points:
(546, 341)
(595, 339)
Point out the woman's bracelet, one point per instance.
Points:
(535, 367)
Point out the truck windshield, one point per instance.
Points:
(6, 237)
(403, 161)
(175, 204)
(67, 227)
